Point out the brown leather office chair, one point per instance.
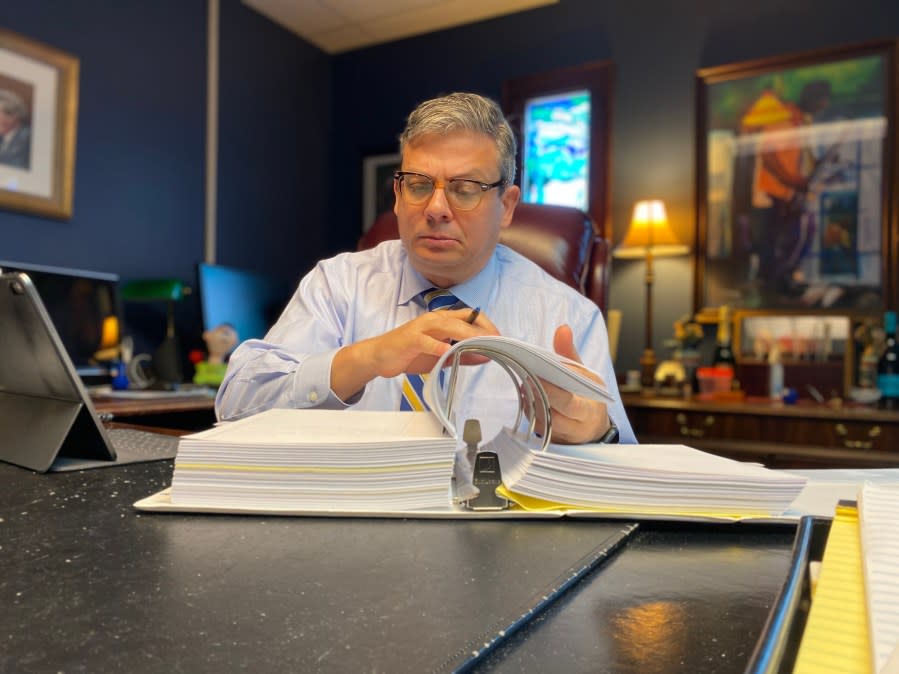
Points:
(561, 239)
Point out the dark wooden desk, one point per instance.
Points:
(89, 584)
(805, 435)
(189, 413)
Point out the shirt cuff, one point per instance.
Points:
(312, 384)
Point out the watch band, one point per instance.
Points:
(611, 436)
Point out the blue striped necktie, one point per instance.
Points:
(413, 384)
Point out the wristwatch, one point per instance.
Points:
(611, 436)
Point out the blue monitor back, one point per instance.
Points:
(249, 301)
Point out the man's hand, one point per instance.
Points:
(576, 419)
(413, 347)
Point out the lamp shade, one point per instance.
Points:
(650, 230)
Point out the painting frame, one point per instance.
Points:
(595, 77)
(377, 185)
(755, 247)
(40, 179)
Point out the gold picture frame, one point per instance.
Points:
(824, 239)
(39, 111)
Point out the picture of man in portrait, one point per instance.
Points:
(15, 131)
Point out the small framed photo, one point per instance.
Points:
(38, 117)
(816, 351)
(795, 336)
(377, 186)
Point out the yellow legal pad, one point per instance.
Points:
(836, 635)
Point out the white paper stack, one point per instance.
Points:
(317, 460)
(667, 479)
(879, 526)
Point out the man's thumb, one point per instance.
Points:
(563, 343)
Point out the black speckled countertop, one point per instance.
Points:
(88, 584)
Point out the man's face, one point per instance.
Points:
(8, 121)
(449, 246)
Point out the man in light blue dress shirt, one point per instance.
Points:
(357, 322)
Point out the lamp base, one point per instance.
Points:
(648, 369)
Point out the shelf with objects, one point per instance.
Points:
(796, 397)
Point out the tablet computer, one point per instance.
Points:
(47, 420)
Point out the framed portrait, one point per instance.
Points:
(795, 158)
(38, 117)
(377, 186)
(562, 121)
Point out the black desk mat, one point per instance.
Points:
(89, 584)
(676, 598)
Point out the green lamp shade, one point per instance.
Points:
(154, 290)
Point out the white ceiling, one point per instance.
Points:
(341, 25)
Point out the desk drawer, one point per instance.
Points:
(685, 425)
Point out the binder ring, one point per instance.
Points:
(532, 398)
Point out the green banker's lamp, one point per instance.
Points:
(167, 358)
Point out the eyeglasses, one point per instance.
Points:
(463, 194)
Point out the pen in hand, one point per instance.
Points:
(470, 319)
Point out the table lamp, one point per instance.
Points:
(649, 235)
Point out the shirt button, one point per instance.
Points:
(312, 397)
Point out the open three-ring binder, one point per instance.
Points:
(402, 464)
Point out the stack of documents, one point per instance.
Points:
(651, 479)
(317, 460)
(835, 638)
(879, 531)
(853, 623)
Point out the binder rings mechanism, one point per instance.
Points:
(533, 406)
(486, 474)
(533, 403)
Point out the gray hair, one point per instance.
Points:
(464, 112)
(11, 104)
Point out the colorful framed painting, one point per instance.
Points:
(38, 117)
(795, 156)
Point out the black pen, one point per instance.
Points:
(472, 317)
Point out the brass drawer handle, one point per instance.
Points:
(686, 431)
(849, 443)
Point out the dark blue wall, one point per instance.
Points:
(138, 207)
(656, 46)
(140, 157)
(296, 123)
(274, 122)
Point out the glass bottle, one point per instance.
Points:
(723, 355)
(888, 365)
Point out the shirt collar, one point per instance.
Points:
(474, 292)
